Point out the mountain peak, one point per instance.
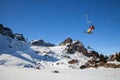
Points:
(41, 42)
(38, 53)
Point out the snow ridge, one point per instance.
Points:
(16, 51)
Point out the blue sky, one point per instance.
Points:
(55, 20)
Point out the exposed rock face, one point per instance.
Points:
(19, 36)
(115, 57)
(73, 46)
(73, 61)
(96, 60)
(6, 31)
(103, 61)
(93, 54)
(41, 43)
(38, 42)
(1, 28)
(66, 41)
(91, 63)
(94, 64)
(83, 66)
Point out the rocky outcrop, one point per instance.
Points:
(103, 61)
(93, 54)
(73, 46)
(114, 57)
(6, 31)
(93, 64)
(73, 61)
(97, 60)
(41, 43)
(19, 37)
(66, 41)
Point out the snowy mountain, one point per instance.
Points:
(23, 60)
(16, 51)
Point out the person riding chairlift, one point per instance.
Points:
(90, 29)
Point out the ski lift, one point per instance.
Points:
(91, 27)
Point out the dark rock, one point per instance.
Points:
(6, 31)
(38, 42)
(115, 57)
(28, 66)
(1, 28)
(93, 54)
(74, 46)
(68, 40)
(73, 61)
(41, 43)
(56, 71)
(91, 63)
(100, 64)
(83, 67)
(19, 37)
(82, 49)
(102, 58)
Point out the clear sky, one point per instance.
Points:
(55, 20)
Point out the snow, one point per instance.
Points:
(20, 60)
(12, 73)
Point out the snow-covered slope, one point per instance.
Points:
(64, 74)
(21, 60)
(7, 43)
(14, 52)
(57, 56)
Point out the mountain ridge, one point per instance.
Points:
(16, 51)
